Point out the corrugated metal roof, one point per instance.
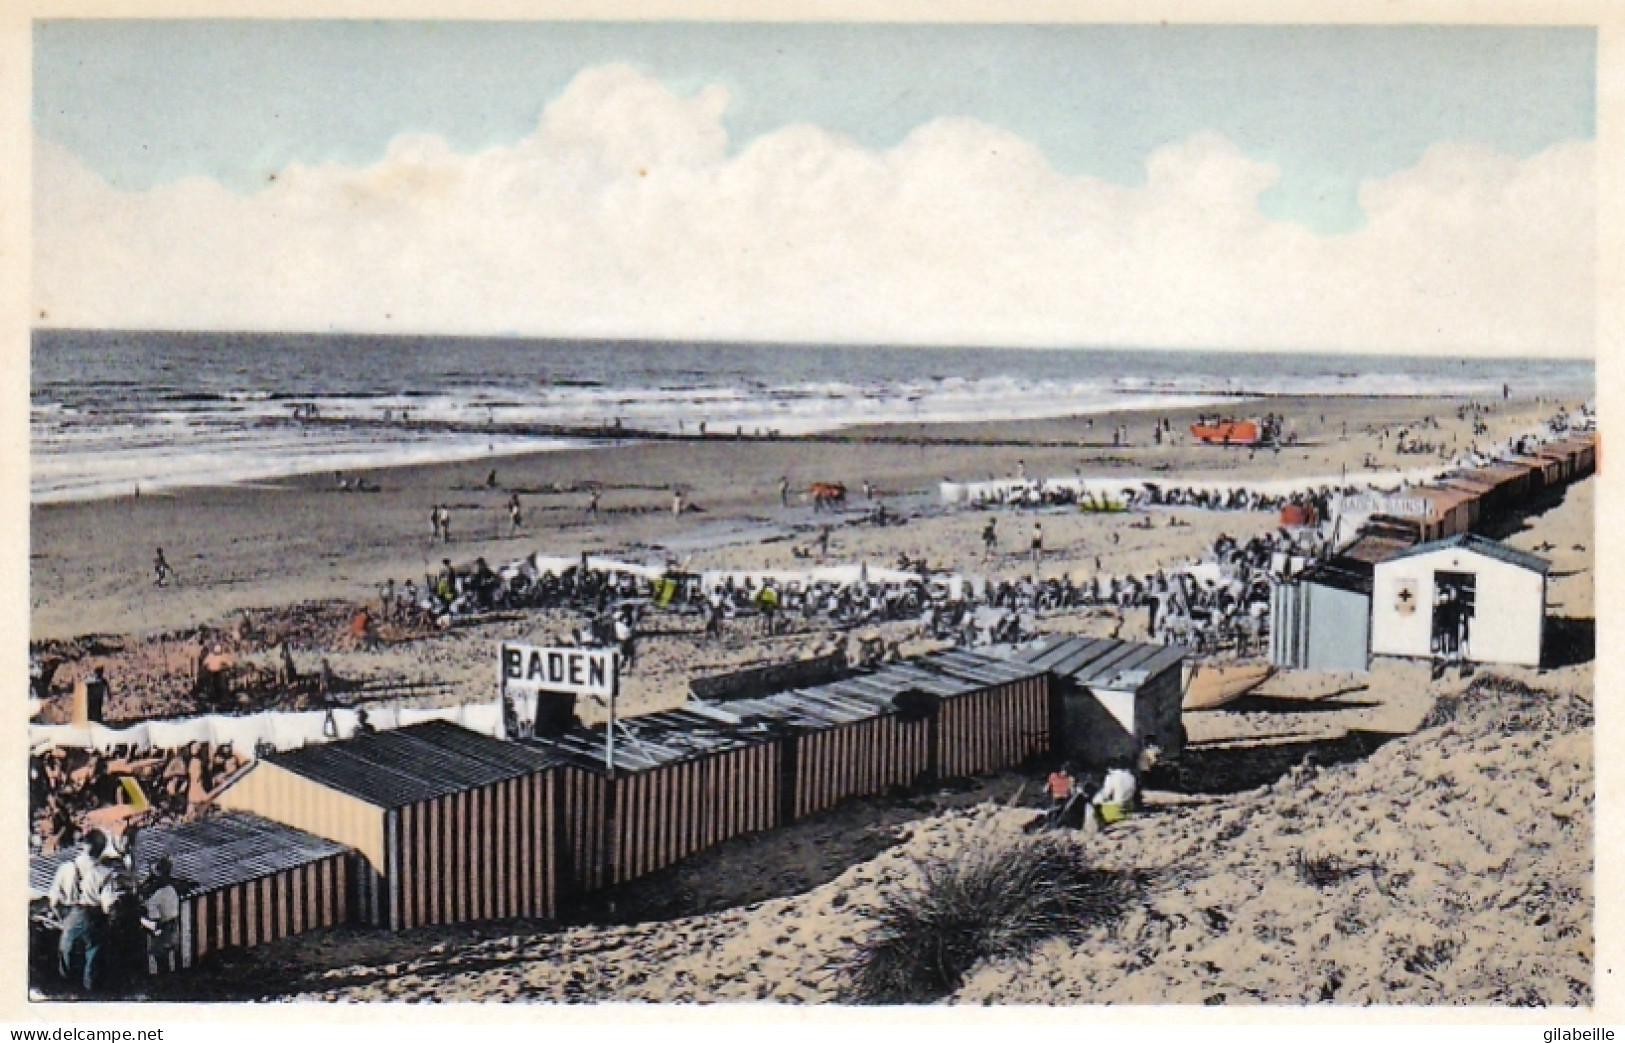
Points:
(1467, 483)
(1344, 573)
(1534, 462)
(408, 765)
(1101, 662)
(469, 743)
(706, 728)
(656, 739)
(1495, 474)
(1506, 469)
(1572, 444)
(1443, 500)
(1477, 544)
(225, 848)
(1372, 549)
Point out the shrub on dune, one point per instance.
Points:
(979, 904)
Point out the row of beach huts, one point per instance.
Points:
(1424, 580)
(435, 824)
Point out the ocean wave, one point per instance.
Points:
(102, 421)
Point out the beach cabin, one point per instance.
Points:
(1559, 458)
(1579, 450)
(943, 715)
(682, 781)
(1449, 511)
(1466, 597)
(1112, 696)
(1515, 484)
(1422, 513)
(1501, 488)
(688, 779)
(243, 880)
(453, 826)
(1545, 472)
(1478, 492)
(1321, 619)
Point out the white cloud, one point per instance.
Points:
(624, 215)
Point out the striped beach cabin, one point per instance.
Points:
(944, 715)
(682, 782)
(243, 880)
(453, 826)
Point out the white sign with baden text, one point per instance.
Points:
(576, 671)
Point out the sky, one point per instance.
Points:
(1349, 188)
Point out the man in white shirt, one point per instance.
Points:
(83, 894)
(1119, 787)
(1116, 797)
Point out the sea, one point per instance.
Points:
(115, 411)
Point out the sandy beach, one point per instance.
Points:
(773, 916)
(301, 539)
(984, 510)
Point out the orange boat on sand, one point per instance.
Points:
(1229, 432)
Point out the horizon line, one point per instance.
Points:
(35, 331)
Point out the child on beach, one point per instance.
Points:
(162, 573)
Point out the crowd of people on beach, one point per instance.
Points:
(73, 790)
(1029, 493)
(1220, 608)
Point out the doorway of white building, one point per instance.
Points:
(1454, 599)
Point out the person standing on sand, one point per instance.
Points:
(444, 515)
(990, 539)
(161, 571)
(592, 503)
(784, 491)
(677, 503)
(626, 640)
(286, 673)
(161, 918)
(515, 519)
(823, 543)
(434, 521)
(83, 894)
(1038, 543)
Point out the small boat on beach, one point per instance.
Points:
(1229, 432)
(1209, 686)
